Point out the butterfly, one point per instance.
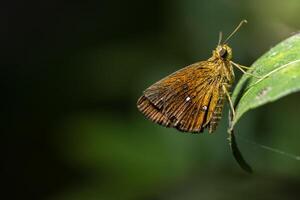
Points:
(192, 98)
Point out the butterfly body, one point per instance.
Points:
(191, 99)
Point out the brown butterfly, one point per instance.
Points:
(192, 99)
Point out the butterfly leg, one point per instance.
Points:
(232, 116)
(240, 67)
(243, 67)
(229, 100)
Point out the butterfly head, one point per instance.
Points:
(223, 52)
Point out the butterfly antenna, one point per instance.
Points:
(236, 29)
(220, 37)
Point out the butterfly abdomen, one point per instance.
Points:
(217, 113)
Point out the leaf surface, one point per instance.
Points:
(279, 75)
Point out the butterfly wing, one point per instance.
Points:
(152, 112)
(185, 99)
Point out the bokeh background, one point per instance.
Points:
(71, 72)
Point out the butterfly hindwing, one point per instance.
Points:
(152, 112)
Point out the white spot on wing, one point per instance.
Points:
(188, 99)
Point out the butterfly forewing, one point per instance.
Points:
(186, 99)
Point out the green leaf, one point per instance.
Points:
(279, 72)
(279, 75)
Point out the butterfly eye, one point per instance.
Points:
(223, 53)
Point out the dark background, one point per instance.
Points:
(71, 73)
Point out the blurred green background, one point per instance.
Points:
(73, 70)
